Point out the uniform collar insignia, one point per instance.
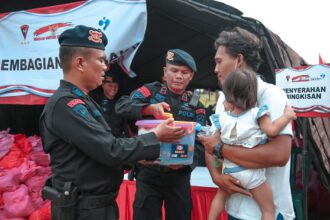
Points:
(163, 90)
(75, 90)
(184, 97)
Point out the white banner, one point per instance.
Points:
(307, 88)
(29, 63)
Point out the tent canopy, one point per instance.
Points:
(191, 25)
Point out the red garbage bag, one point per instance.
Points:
(43, 171)
(6, 141)
(23, 143)
(18, 204)
(14, 158)
(40, 158)
(9, 180)
(35, 143)
(19, 150)
(35, 185)
(27, 169)
(41, 214)
(1, 201)
(4, 217)
(37, 153)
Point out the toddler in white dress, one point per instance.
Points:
(245, 125)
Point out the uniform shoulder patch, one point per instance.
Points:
(184, 97)
(79, 107)
(75, 102)
(137, 95)
(97, 113)
(82, 111)
(144, 91)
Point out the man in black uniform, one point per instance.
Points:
(86, 159)
(107, 100)
(156, 183)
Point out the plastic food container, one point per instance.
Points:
(173, 153)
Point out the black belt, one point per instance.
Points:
(97, 201)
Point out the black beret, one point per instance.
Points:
(111, 76)
(180, 58)
(83, 36)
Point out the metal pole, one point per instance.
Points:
(305, 172)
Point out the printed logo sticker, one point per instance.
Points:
(179, 151)
(24, 30)
(104, 22)
(301, 78)
(49, 32)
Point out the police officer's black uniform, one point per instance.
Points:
(156, 183)
(86, 159)
(117, 123)
(83, 150)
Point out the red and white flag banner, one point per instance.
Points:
(29, 65)
(307, 88)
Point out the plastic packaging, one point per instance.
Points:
(204, 130)
(173, 153)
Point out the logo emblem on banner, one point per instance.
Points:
(300, 78)
(104, 22)
(307, 89)
(23, 74)
(51, 29)
(24, 29)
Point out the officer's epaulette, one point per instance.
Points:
(189, 93)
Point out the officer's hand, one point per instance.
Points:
(157, 110)
(210, 141)
(230, 184)
(167, 133)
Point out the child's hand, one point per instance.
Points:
(210, 141)
(289, 112)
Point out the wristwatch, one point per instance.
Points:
(217, 150)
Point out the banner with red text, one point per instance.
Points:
(29, 65)
(307, 89)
